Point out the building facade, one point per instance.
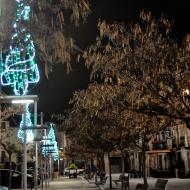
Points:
(8, 137)
(167, 155)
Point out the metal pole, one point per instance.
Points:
(42, 168)
(36, 147)
(25, 151)
(0, 117)
(45, 161)
(58, 165)
(49, 169)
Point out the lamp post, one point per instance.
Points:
(36, 148)
(25, 153)
(24, 100)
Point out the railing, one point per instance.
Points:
(159, 146)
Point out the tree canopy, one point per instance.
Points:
(47, 26)
(144, 56)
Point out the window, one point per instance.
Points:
(188, 158)
(182, 141)
(160, 162)
(2, 156)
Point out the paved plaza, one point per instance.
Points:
(173, 183)
(64, 183)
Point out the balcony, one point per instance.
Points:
(159, 145)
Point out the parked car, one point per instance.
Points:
(30, 169)
(3, 188)
(16, 179)
(72, 171)
(31, 172)
(80, 171)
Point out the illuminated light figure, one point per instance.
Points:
(20, 68)
(1, 62)
(26, 123)
(50, 144)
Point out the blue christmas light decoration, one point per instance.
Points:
(1, 62)
(49, 145)
(20, 68)
(26, 123)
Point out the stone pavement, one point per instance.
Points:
(64, 183)
(173, 184)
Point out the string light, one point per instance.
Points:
(20, 69)
(24, 124)
(1, 62)
(50, 144)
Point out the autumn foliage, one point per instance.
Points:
(140, 84)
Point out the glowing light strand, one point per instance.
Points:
(1, 62)
(26, 123)
(50, 144)
(20, 68)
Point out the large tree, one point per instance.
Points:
(145, 55)
(150, 67)
(99, 113)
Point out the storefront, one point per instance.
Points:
(160, 163)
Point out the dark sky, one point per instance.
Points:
(54, 94)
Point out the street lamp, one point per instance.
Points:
(27, 99)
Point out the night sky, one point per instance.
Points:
(54, 94)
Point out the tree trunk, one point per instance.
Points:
(144, 164)
(86, 168)
(89, 169)
(122, 169)
(101, 167)
(110, 176)
(96, 174)
(123, 164)
(10, 169)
